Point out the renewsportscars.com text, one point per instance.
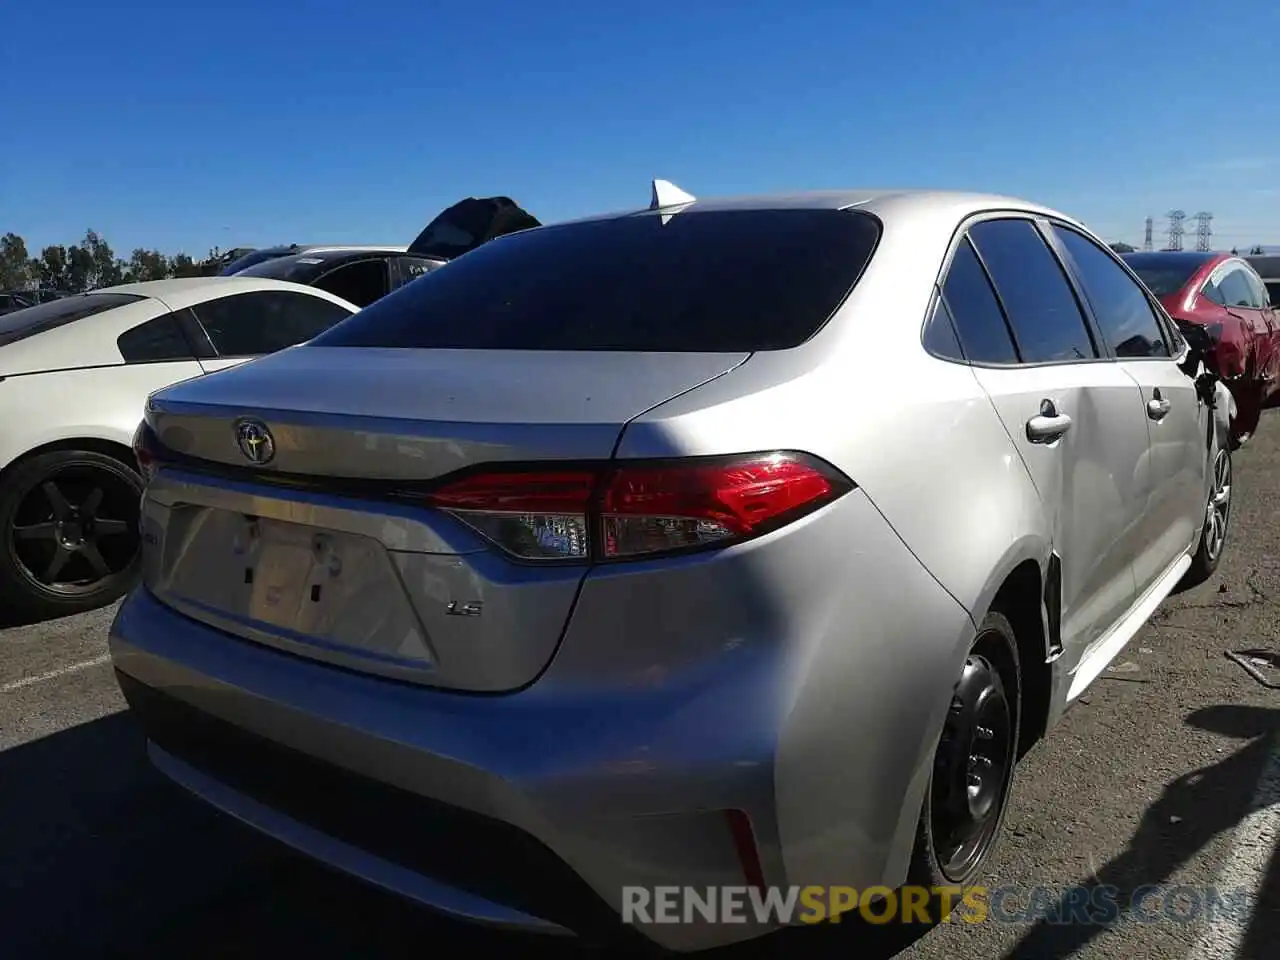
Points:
(1095, 905)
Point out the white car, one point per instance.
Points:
(74, 378)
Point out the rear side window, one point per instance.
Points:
(250, 324)
(735, 280)
(156, 340)
(1037, 298)
(1120, 306)
(979, 322)
(46, 316)
(940, 334)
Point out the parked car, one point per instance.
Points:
(359, 275)
(74, 377)
(1223, 294)
(739, 542)
(362, 275)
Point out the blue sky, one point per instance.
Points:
(188, 126)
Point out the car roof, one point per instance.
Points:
(937, 205)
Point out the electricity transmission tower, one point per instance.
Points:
(1203, 231)
(1146, 238)
(1175, 229)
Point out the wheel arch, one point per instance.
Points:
(105, 446)
(1026, 587)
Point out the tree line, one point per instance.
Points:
(92, 263)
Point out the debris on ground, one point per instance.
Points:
(1262, 665)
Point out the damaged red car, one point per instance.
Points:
(1223, 294)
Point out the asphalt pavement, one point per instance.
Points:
(1167, 773)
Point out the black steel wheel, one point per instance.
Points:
(973, 764)
(69, 537)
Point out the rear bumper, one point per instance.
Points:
(450, 800)
(809, 702)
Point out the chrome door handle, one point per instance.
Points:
(1158, 408)
(1049, 425)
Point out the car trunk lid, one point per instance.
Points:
(317, 551)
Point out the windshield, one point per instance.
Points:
(714, 281)
(287, 266)
(254, 258)
(1165, 273)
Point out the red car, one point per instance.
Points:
(1224, 294)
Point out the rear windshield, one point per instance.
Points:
(1165, 273)
(46, 316)
(731, 281)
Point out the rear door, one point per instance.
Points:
(1074, 416)
(1236, 285)
(247, 325)
(1133, 332)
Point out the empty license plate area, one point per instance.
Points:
(326, 594)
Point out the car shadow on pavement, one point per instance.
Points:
(1191, 811)
(101, 856)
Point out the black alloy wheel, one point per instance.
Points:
(69, 522)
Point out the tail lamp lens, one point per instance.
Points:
(145, 449)
(617, 511)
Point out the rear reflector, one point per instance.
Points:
(613, 511)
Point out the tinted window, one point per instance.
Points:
(1235, 288)
(360, 283)
(249, 324)
(158, 339)
(1210, 291)
(1120, 307)
(1273, 290)
(295, 267)
(255, 257)
(46, 316)
(408, 269)
(972, 303)
(1035, 293)
(1256, 289)
(716, 280)
(939, 334)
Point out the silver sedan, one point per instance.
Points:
(723, 544)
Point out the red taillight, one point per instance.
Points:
(614, 511)
(145, 447)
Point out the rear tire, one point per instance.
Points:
(968, 792)
(1213, 534)
(68, 533)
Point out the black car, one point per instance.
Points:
(361, 275)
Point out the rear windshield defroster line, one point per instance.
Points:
(711, 281)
